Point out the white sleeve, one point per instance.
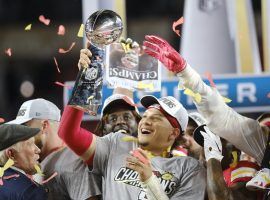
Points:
(153, 189)
(245, 133)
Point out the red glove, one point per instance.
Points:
(162, 50)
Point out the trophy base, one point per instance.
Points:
(90, 109)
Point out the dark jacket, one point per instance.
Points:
(20, 187)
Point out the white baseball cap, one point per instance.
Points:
(197, 118)
(118, 99)
(37, 109)
(171, 106)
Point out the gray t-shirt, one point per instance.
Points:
(74, 181)
(181, 177)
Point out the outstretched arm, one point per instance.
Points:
(244, 133)
(81, 141)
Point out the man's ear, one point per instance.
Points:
(174, 134)
(10, 154)
(44, 125)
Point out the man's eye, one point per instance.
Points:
(113, 119)
(127, 117)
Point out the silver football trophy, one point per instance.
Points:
(101, 28)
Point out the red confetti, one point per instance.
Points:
(2, 120)
(210, 79)
(55, 61)
(11, 176)
(61, 30)
(177, 23)
(65, 51)
(44, 20)
(129, 102)
(50, 178)
(8, 52)
(62, 84)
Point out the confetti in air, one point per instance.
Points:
(37, 168)
(44, 20)
(28, 27)
(61, 30)
(80, 32)
(8, 52)
(177, 23)
(129, 139)
(62, 84)
(2, 120)
(65, 51)
(197, 97)
(268, 95)
(8, 164)
(50, 178)
(210, 79)
(226, 100)
(56, 64)
(129, 101)
(142, 85)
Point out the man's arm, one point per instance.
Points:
(244, 133)
(81, 141)
(216, 186)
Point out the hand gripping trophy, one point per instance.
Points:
(101, 28)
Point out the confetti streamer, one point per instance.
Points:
(8, 164)
(28, 27)
(226, 100)
(37, 168)
(142, 85)
(65, 51)
(61, 30)
(55, 61)
(44, 20)
(129, 102)
(235, 160)
(210, 79)
(2, 120)
(177, 23)
(80, 32)
(50, 178)
(196, 96)
(62, 84)
(129, 139)
(11, 176)
(8, 52)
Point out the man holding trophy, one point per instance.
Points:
(149, 172)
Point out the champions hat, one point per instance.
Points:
(197, 118)
(37, 109)
(116, 100)
(171, 106)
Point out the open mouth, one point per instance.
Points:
(123, 131)
(145, 131)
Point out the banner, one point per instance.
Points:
(132, 69)
(248, 93)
